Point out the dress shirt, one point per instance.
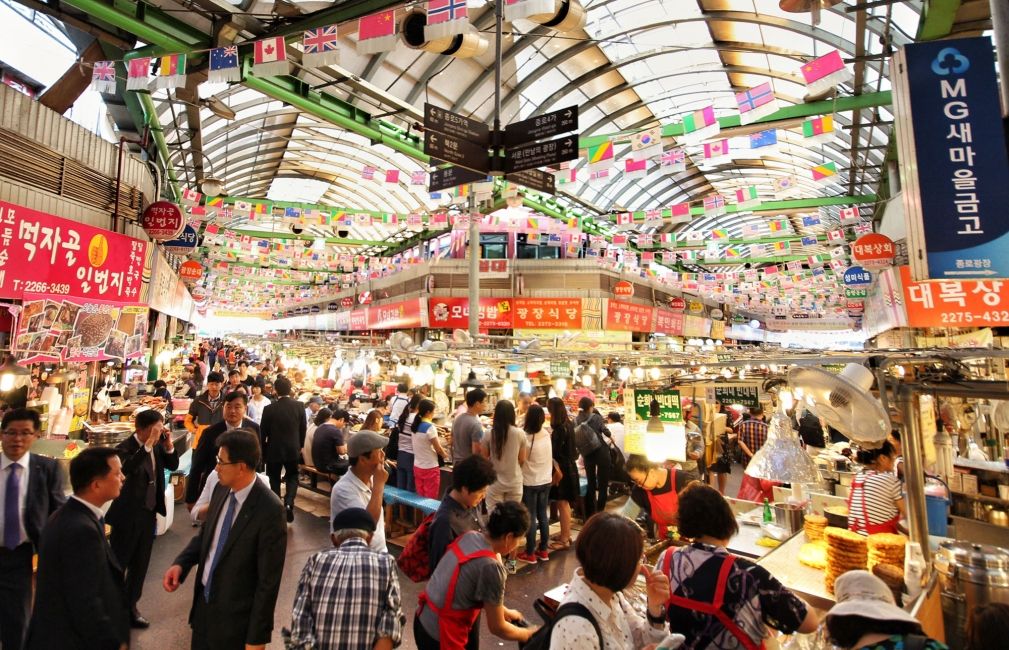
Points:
(5, 463)
(95, 510)
(352, 492)
(348, 598)
(240, 496)
(208, 492)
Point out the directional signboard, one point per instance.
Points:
(543, 126)
(457, 151)
(453, 124)
(442, 179)
(534, 179)
(541, 154)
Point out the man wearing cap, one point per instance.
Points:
(362, 486)
(348, 596)
(314, 404)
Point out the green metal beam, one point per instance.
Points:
(269, 234)
(841, 104)
(151, 120)
(147, 23)
(937, 18)
(253, 265)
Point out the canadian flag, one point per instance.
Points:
(270, 57)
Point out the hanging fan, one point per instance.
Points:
(1000, 416)
(843, 401)
(461, 337)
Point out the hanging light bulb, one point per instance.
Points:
(726, 373)
(655, 435)
(639, 373)
(587, 380)
(603, 374)
(508, 390)
(592, 368)
(439, 380)
(624, 374)
(654, 373)
(561, 385)
(742, 374)
(552, 394)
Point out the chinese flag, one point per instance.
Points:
(377, 32)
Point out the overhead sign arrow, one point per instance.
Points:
(534, 179)
(542, 126)
(457, 151)
(446, 177)
(540, 154)
(453, 124)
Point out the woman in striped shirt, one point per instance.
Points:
(875, 500)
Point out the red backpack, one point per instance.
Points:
(415, 560)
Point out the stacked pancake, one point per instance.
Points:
(846, 551)
(813, 526)
(886, 548)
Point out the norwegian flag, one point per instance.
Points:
(446, 18)
(321, 47)
(714, 204)
(368, 173)
(103, 77)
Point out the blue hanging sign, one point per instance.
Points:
(856, 276)
(184, 244)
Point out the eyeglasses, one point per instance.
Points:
(644, 479)
(221, 462)
(18, 434)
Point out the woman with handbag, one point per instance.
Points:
(564, 481)
(597, 462)
(536, 475)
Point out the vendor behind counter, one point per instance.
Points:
(655, 490)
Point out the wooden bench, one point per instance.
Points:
(414, 503)
(314, 474)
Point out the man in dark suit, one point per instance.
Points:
(240, 552)
(133, 515)
(205, 456)
(283, 430)
(31, 489)
(80, 600)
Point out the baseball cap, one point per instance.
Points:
(354, 519)
(364, 442)
(315, 400)
(860, 593)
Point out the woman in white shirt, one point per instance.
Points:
(609, 549)
(257, 403)
(537, 473)
(615, 423)
(507, 448)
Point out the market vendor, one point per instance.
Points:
(655, 490)
(206, 409)
(875, 500)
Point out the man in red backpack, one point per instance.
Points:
(460, 509)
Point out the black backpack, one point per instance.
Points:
(541, 639)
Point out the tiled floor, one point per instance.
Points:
(168, 613)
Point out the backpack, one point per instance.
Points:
(540, 640)
(586, 438)
(618, 472)
(415, 560)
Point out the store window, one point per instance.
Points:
(494, 246)
(539, 251)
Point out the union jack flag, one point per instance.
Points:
(320, 46)
(103, 77)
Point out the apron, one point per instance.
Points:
(665, 506)
(714, 608)
(864, 526)
(454, 625)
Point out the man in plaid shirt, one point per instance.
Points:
(348, 596)
(752, 432)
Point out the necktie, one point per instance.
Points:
(12, 507)
(222, 539)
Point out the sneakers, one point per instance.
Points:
(542, 556)
(511, 567)
(529, 558)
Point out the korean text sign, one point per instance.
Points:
(42, 253)
(629, 317)
(669, 403)
(447, 312)
(547, 313)
(948, 109)
(955, 303)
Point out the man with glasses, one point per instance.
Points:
(239, 553)
(31, 489)
(234, 410)
(655, 490)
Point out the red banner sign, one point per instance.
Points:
(396, 315)
(873, 251)
(43, 253)
(191, 271)
(163, 220)
(668, 322)
(628, 317)
(955, 303)
(453, 313)
(55, 329)
(358, 320)
(547, 313)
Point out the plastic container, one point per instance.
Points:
(937, 512)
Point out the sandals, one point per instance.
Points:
(558, 545)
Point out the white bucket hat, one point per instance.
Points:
(859, 593)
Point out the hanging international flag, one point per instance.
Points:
(624, 220)
(269, 57)
(377, 32)
(809, 241)
(755, 103)
(362, 219)
(719, 233)
(138, 73)
(321, 47)
(818, 130)
(446, 18)
(368, 173)
(103, 76)
(653, 219)
(515, 9)
(795, 266)
(600, 155)
(763, 142)
(171, 71)
(771, 270)
(190, 197)
(716, 152)
(849, 216)
(679, 212)
(242, 208)
(778, 225)
(751, 230)
(714, 204)
(747, 197)
(646, 144)
(863, 228)
(694, 236)
(712, 252)
(783, 247)
(758, 250)
(392, 176)
(836, 236)
(599, 177)
(824, 73)
(620, 240)
(414, 221)
(635, 168)
(811, 220)
(645, 241)
(785, 186)
(824, 172)
(733, 252)
(837, 252)
(224, 65)
(838, 265)
(700, 125)
(418, 178)
(566, 175)
(673, 161)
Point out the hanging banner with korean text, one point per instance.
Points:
(628, 316)
(956, 172)
(548, 313)
(669, 403)
(42, 253)
(955, 303)
(406, 314)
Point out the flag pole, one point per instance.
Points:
(474, 265)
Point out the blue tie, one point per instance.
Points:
(222, 539)
(12, 508)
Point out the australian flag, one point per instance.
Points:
(811, 221)
(761, 139)
(224, 65)
(809, 241)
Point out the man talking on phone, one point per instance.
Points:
(145, 456)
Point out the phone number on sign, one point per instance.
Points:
(32, 286)
(981, 319)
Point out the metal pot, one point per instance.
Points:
(789, 516)
(969, 575)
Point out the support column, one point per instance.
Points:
(474, 266)
(914, 468)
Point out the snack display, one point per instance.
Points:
(886, 548)
(846, 551)
(94, 329)
(814, 554)
(813, 526)
(893, 577)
